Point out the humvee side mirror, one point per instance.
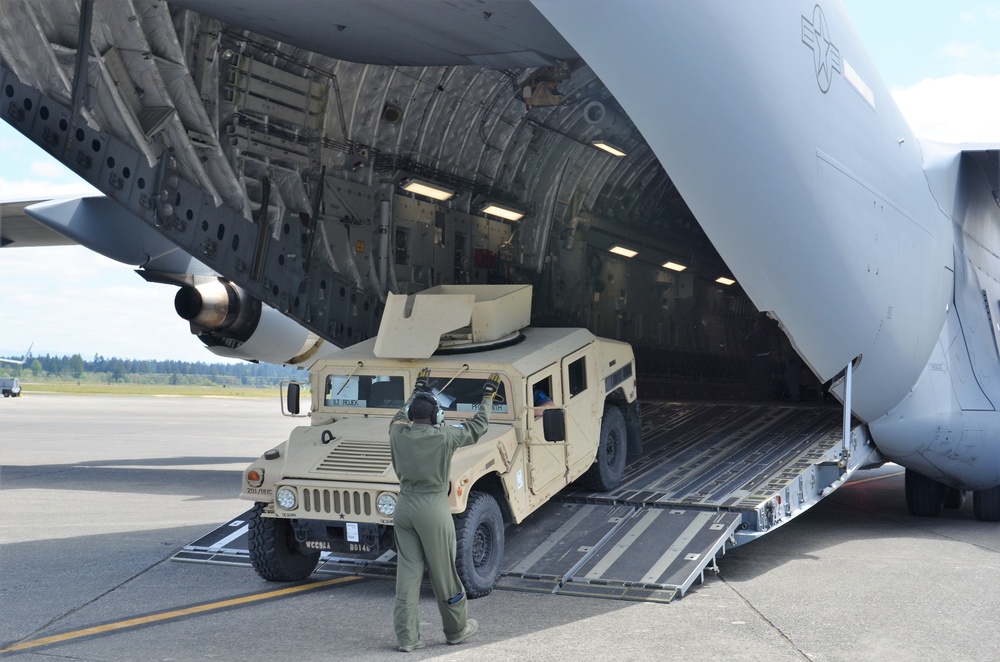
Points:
(554, 424)
(291, 400)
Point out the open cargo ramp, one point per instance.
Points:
(711, 476)
(767, 462)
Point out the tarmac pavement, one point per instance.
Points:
(97, 493)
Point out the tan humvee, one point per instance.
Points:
(331, 486)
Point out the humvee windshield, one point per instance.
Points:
(466, 394)
(386, 391)
(364, 391)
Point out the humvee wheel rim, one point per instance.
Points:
(482, 546)
(611, 452)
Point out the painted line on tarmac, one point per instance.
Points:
(868, 480)
(177, 613)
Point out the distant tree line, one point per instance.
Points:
(101, 369)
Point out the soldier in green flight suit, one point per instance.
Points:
(425, 532)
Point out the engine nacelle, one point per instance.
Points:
(217, 305)
(234, 324)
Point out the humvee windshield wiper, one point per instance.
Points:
(347, 380)
(465, 366)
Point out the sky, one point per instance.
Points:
(940, 59)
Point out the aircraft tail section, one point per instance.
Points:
(777, 131)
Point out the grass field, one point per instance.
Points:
(27, 388)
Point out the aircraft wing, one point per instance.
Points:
(247, 329)
(19, 230)
(23, 358)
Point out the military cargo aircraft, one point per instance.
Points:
(727, 186)
(24, 357)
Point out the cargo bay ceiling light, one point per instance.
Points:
(724, 281)
(494, 209)
(421, 187)
(673, 266)
(621, 250)
(608, 147)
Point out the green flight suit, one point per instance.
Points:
(422, 523)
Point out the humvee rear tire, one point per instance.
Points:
(479, 535)
(273, 551)
(609, 465)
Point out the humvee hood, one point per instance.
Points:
(352, 449)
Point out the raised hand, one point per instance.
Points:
(491, 385)
(423, 379)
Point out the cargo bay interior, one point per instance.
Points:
(468, 174)
(319, 184)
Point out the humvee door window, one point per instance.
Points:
(541, 397)
(364, 391)
(541, 392)
(577, 373)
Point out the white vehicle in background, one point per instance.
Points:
(10, 386)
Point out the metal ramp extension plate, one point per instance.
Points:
(620, 552)
(229, 545)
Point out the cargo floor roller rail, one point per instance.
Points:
(712, 476)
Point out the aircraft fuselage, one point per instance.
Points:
(276, 150)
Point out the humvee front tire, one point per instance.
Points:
(273, 551)
(609, 465)
(479, 535)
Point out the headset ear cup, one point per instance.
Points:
(438, 416)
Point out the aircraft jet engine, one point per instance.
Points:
(232, 323)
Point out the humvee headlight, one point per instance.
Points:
(386, 504)
(286, 498)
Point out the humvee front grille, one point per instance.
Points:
(338, 502)
(357, 457)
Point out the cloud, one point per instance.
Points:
(971, 56)
(959, 108)
(48, 169)
(28, 173)
(980, 15)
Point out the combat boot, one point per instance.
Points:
(470, 629)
